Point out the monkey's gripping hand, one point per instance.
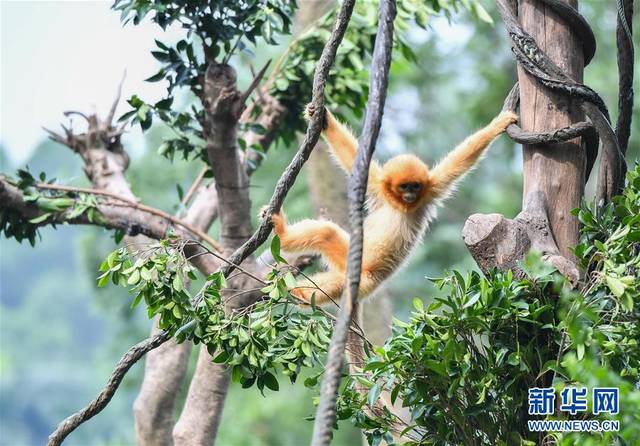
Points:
(310, 111)
(502, 121)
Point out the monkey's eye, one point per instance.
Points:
(410, 187)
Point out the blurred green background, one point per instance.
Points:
(60, 335)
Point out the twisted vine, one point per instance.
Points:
(537, 64)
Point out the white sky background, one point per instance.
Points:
(67, 55)
(60, 55)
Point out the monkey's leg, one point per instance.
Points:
(316, 236)
(327, 287)
(461, 159)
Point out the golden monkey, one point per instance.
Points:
(402, 198)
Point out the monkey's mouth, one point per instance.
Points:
(409, 197)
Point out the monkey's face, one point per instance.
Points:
(405, 181)
(410, 192)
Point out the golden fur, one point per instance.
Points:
(403, 195)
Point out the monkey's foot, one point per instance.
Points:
(278, 220)
(279, 223)
(303, 295)
(310, 111)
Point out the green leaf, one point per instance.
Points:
(471, 301)
(289, 280)
(482, 13)
(275, 250)
(40, 218)
(374, 394)
(616, 286)
(134, 278)
(177, 283)
(436, 366)
(103, 279)
(270, 381)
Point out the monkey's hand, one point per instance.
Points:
(502, 121)
(310, 111)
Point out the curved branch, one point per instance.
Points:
(325, 416)
(134, 204)
(100, 402)
(537, 64)
(624, 41)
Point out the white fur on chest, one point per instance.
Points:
(390, 235)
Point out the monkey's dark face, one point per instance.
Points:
(410, 192)
(405, 180)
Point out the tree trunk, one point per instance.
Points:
(554, 175)
(165, 367)
(200, 418)
(558, 170)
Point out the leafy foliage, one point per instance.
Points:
(216, 29)
(258, 342)
(347, 85)
(56, 207)
(220, 25)
(463, 365)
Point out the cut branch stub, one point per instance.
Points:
(498, 242)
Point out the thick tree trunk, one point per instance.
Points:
(558, 170)
(554, 175)
(198, 424)
(166, 366)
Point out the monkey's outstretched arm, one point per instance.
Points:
(461, 159)
(344, 147)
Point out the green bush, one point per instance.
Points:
(463, 365)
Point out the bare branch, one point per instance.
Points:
(194, 186)
(254, 83)
(136, 205)
(112, 112)
(75, 112)
(100, 402)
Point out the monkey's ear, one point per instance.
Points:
(310, 111)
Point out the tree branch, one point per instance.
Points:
(134, 204)
(100, 402)
(114, 216)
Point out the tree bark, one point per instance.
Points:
(200, 418)
(166, 366)
(554, 174)
(557, 170)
